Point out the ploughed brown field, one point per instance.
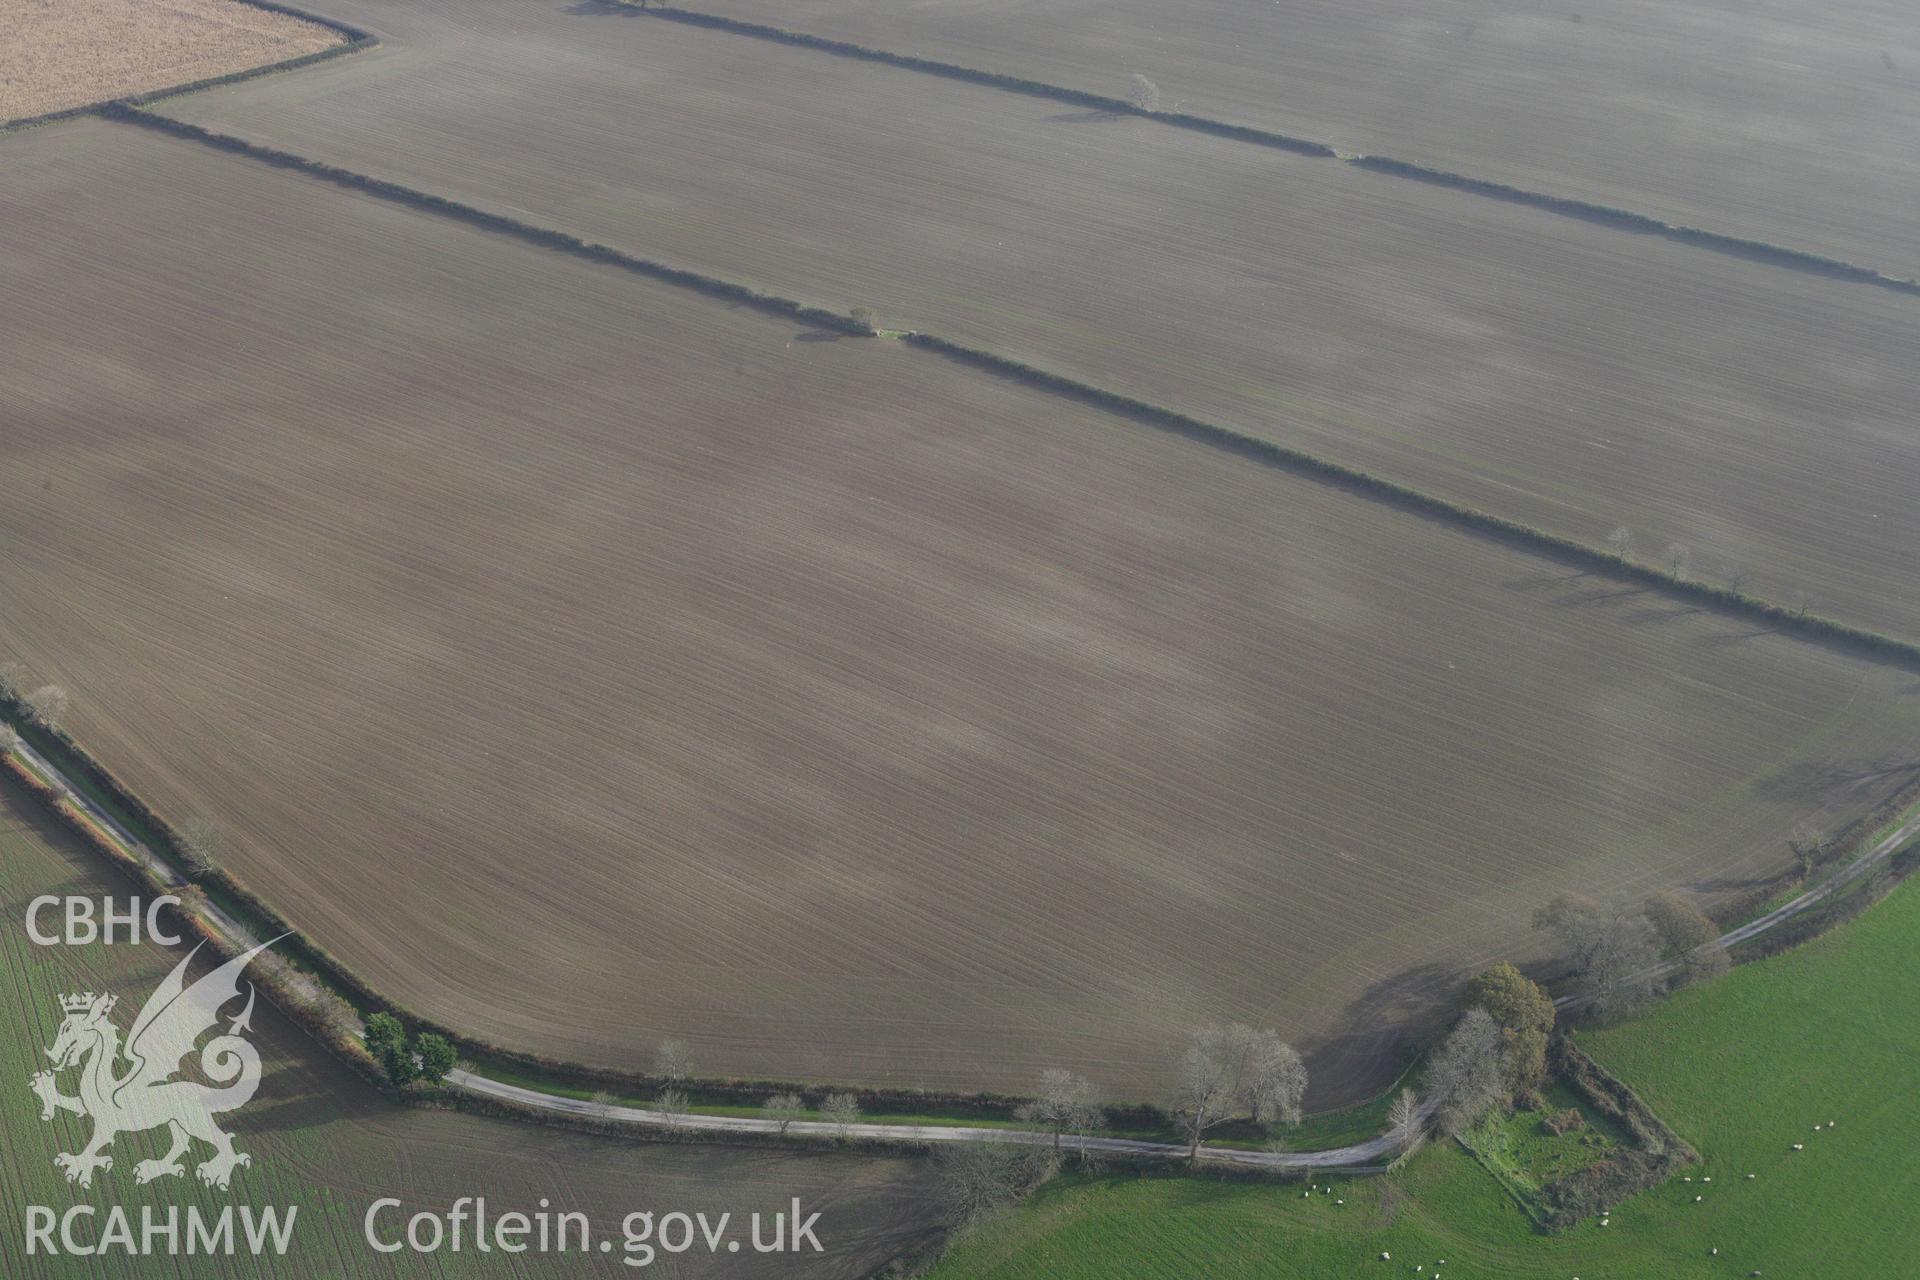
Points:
(586, 662)
(1779, 121)
(327, 1145)
(1573, 377)
(68, 53)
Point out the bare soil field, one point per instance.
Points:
(585, 661)
(1566, 375)
(1788, 123)
(323, 1141)
(69, 53)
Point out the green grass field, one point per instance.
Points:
(1743, 1069)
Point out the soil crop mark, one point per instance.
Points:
(1608, 216)
(1570, 552)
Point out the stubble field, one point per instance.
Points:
(1787, 123)
(326, 1143)
(1565, 375)
(73, 52)
(587, 662)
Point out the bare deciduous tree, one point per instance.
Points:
(673, 1061)
(600, 1106)
(783, 1109)
(1403, 1123)
(1276, 1079)
(672, 1105)
(1225, 1067)
(46, 705)
(1620, 541)
(13, 680)
(1807, 845)
(1691, 939)
(1206, 1079)
(1143, 94)
(1678, 559)
(200, 846)
(1613, 952)
(1467, 1076)
(841, 1110)
(975, 1180)
(1065, 1103)
(9, 739)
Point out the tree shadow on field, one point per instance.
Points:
(1731, 884)
(1544, 581)
(1095, 116)
(1815, 782)
(1671, 614)
(818, 335)
(601, 9)
(1728, 640)
(306, 1111)
(1368, 1045)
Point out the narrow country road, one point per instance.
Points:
(1360, 1155)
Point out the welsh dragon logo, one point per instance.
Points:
(133, 1089)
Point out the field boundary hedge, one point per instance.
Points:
(990, 79)
(355, 41)
(126, 111)
(1609, 216)
(1837, 846)
(253, 913)
(1570, 552)
(1656, 1154)
(1564, 550)
(1641, 224)
(1552, 546)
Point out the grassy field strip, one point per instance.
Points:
(1582, 210)
(1751, 1070)
(1568, 551)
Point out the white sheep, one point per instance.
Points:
(1799, 1146)
(1385, 1256)
(1750, 1177)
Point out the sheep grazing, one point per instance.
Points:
(1385, 1256)
(1714, 1252)
(1706, 1179)
(1750, 1177)
(1698, 1199)
(1799, 1146)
